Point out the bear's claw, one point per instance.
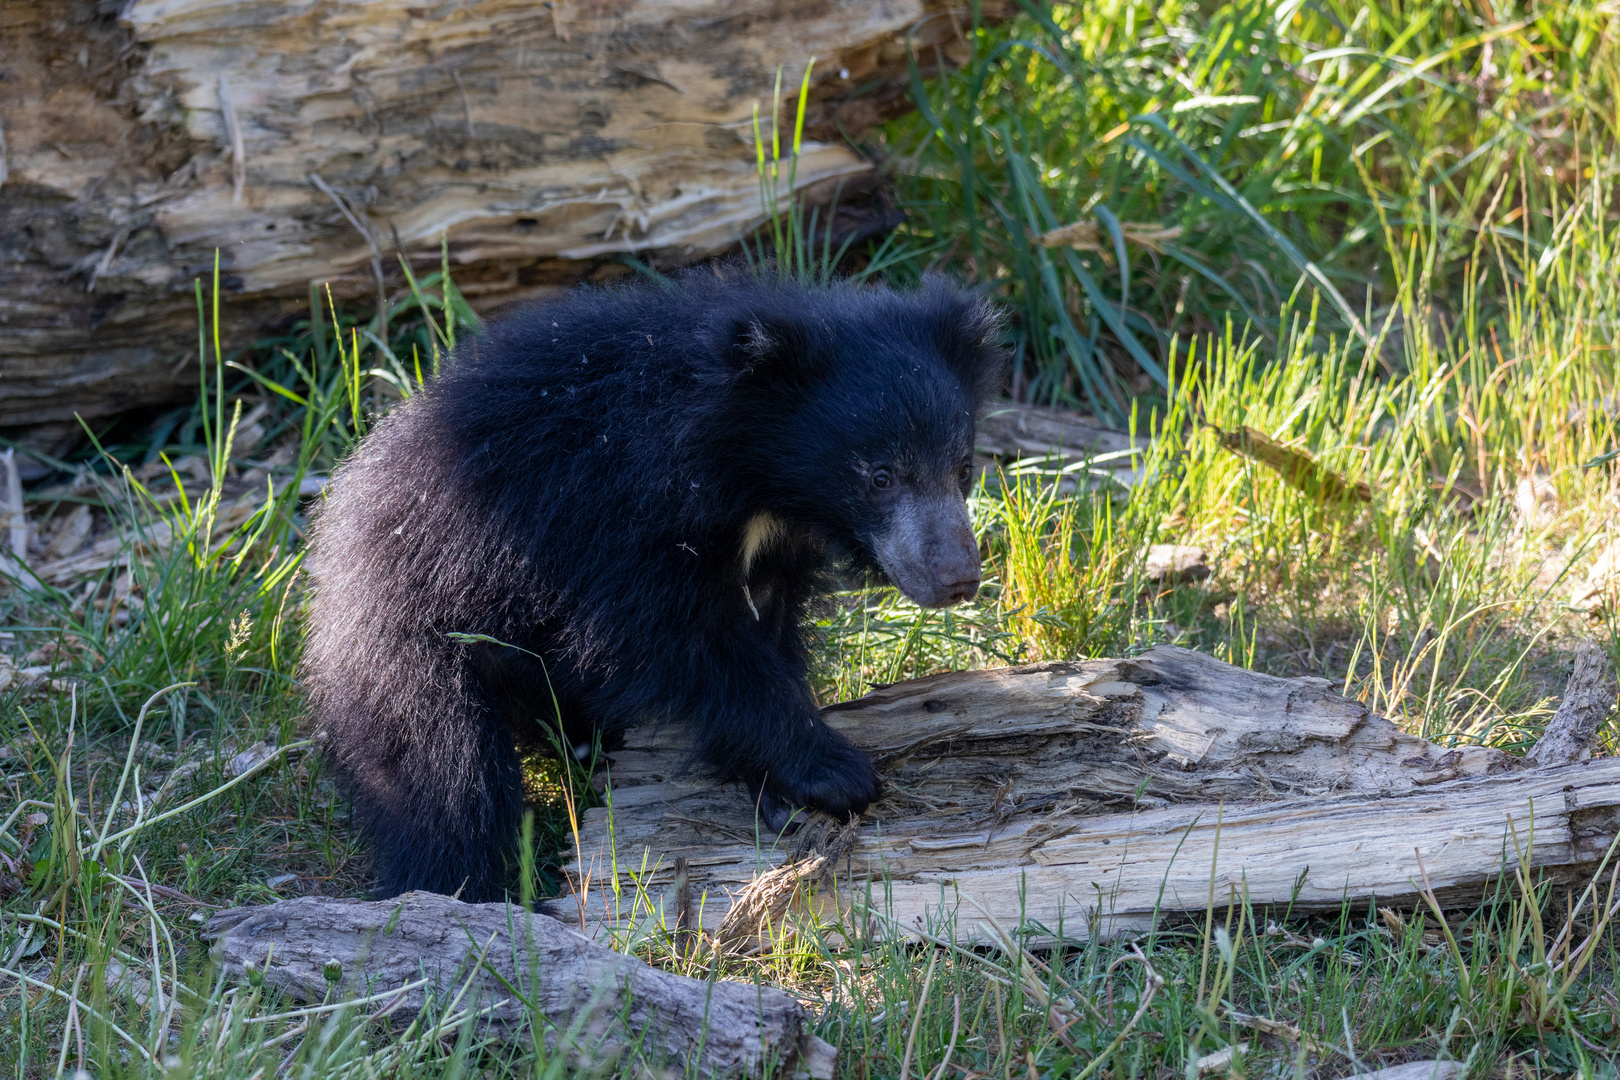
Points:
(839, 782)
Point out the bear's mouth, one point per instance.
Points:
(926, 547)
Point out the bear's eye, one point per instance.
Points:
(882, 478)
(966, 472)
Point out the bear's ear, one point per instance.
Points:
(969, 337)
(773, 350)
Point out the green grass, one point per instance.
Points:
(1474, 244)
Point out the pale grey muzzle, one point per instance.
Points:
(928, 550)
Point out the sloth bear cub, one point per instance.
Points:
(635, 491)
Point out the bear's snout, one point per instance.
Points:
(957, 570)
(928, 550)
(960, 587)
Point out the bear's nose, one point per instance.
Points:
(956, 567)
(959, 583)
(961, 592)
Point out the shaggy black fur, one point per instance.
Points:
(644, 487)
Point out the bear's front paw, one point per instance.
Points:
(839, 781)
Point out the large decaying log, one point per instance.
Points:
(1095, 796)
(521, 972)
(1069, 799)
(311, 140)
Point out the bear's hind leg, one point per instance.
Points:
(443, 811)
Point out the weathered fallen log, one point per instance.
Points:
(1090, 798)
(315, 142)
(521, 972)
(1011, 434)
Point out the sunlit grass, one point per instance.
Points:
(1443, 602)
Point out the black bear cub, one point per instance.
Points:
(636, 491)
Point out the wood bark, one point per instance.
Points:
(312, 141)
(522, 972)
(1092, 797)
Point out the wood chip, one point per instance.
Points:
(1173, 564)
(1220, 1060)
(1416, 1070)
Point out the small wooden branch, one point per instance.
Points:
(1587, 701)
(677, 1026)
(1098, 796)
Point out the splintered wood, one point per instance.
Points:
(1085, 798)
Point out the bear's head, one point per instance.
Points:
(860, 405)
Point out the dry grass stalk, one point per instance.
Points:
(15, 557)
(1086, 236)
